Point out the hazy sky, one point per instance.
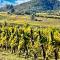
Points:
(14, 2)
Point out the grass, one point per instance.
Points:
(22, 19)
(4, 55)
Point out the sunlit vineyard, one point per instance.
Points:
(36, 43)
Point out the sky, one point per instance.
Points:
(14, 2)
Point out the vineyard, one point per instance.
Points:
(29, 29)
(37, 43)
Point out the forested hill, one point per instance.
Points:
(35, 6)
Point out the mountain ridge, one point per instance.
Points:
(35, 6)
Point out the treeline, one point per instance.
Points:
(30, 41)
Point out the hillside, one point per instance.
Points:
(18, 8)
(35, 6)
(23, 7)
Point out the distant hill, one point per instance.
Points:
(22, 8)
(18, 8)
(35, 6)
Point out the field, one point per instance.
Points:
(42, 20)
(24, 38)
